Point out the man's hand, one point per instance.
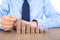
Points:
(7, 22)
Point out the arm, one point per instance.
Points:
(4, 9)
(52, 17)
(0, 24)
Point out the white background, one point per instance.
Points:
(56, 4)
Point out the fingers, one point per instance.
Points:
(7, 28)
(7, 22)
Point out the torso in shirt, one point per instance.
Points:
(36, 8)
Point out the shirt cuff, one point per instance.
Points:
(36, 22)
(39, 23)
(0, 27)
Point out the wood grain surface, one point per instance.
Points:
(52, 34)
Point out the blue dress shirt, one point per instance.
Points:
(38, 8)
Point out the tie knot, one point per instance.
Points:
(25, 0)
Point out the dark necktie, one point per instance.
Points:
(25, 11)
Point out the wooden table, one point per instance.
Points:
(53, 34)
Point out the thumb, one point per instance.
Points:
(13, 17)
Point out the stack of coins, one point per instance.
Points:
(27, 29)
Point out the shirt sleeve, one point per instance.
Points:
(52, 17)
(0, 24)
(4, 9)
